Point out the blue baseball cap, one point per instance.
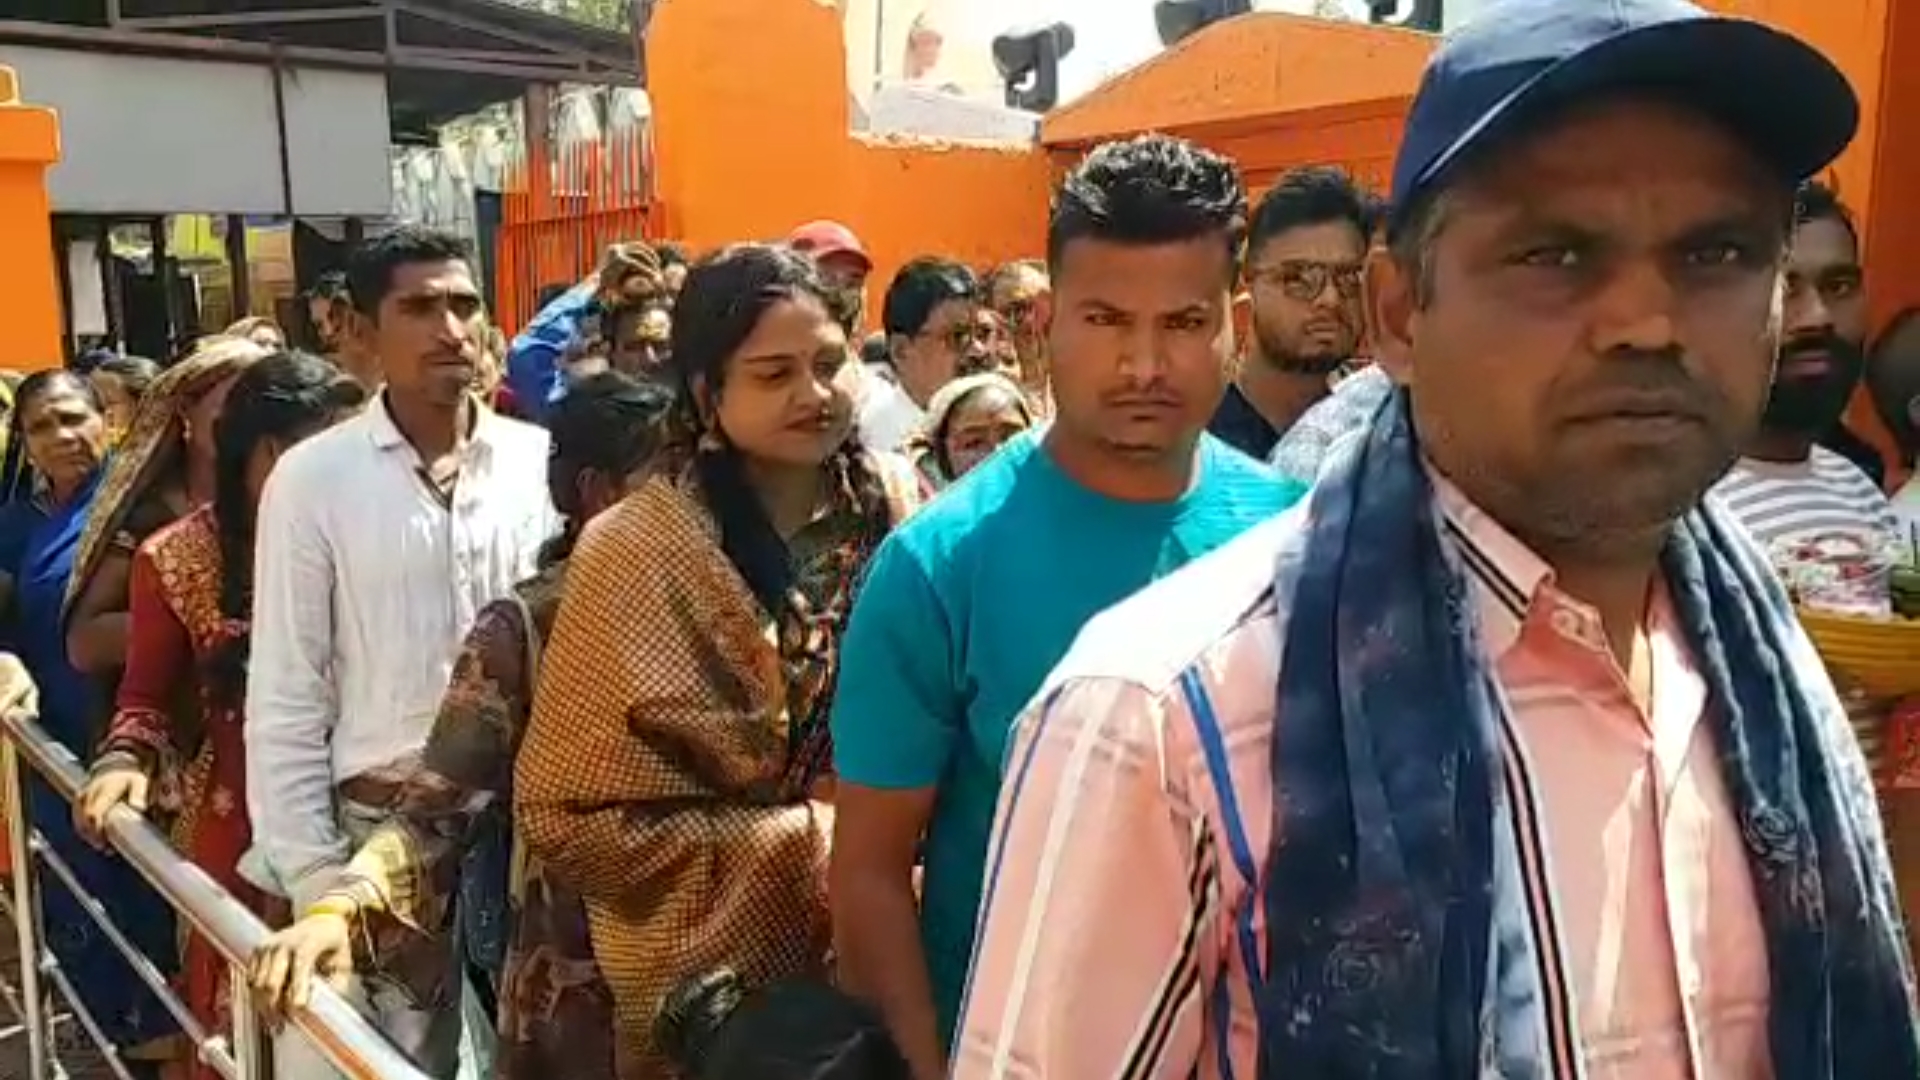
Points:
(1521, 61)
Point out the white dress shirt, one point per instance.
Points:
(365, 584)
(886, 416)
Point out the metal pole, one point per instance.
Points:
(26, 914)
(342, 1035)
(251, 1051)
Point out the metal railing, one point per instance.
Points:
(348, 1041)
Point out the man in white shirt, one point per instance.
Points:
(378, 542)
(931, 336)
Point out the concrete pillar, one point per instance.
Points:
(30, 318)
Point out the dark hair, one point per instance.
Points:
(370, 268)
(87, 361)
(136, 373)
(548, 294)
(1314, 195)
(610, 422)
(52, 381)
(724, 297)
(1154, 189)
(16, 471)
(671, 255)
(712, 1028)
(283, 395)
(918, 288)
(1893, 386)
(1817, 201)
(873, 351)
(331, 285)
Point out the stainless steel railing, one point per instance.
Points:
(346, 1039)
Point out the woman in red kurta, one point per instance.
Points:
(186, 653)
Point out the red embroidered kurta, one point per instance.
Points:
(184, 732)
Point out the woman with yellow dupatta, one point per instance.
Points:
(162, 469)
(674, 769)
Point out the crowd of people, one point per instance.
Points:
(1321, 635)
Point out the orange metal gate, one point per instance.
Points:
(555, 220)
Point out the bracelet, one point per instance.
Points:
(117, 761)
(345, 907)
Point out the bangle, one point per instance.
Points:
(345, 907)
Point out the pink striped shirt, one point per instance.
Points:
(1123, 923)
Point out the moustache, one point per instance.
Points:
(1644, 382)
(1846, 354)
(1147, 397)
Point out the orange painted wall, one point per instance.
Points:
(1271, 91)
(29, 287)
(750, 114)
(1250, 70)
(1893, 241)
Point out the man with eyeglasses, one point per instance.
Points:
(1305, 248)
(928, 315)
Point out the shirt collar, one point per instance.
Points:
(386, 434)
(1505, 573)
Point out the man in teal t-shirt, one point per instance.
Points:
(969, 605)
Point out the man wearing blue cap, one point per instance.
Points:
(1502, 755)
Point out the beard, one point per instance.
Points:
(1811, 406)
(1292, 359)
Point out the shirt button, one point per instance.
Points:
(1577, 627)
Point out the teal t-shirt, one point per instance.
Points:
(965, 611)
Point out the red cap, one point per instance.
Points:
(824, 238)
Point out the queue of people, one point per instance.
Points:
(1043, 685)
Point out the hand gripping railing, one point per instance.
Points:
(347, 1040)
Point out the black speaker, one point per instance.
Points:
(1029, 64)
(1177, 20)
(1427, 15)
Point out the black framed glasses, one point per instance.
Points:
(962, 336)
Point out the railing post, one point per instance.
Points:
(251, 1049)
(26, 911)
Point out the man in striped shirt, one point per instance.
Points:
(1578, 311)
(1788, 487)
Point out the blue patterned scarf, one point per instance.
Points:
(1399, 941)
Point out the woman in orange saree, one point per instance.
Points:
(187, 639)
(676, 769)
